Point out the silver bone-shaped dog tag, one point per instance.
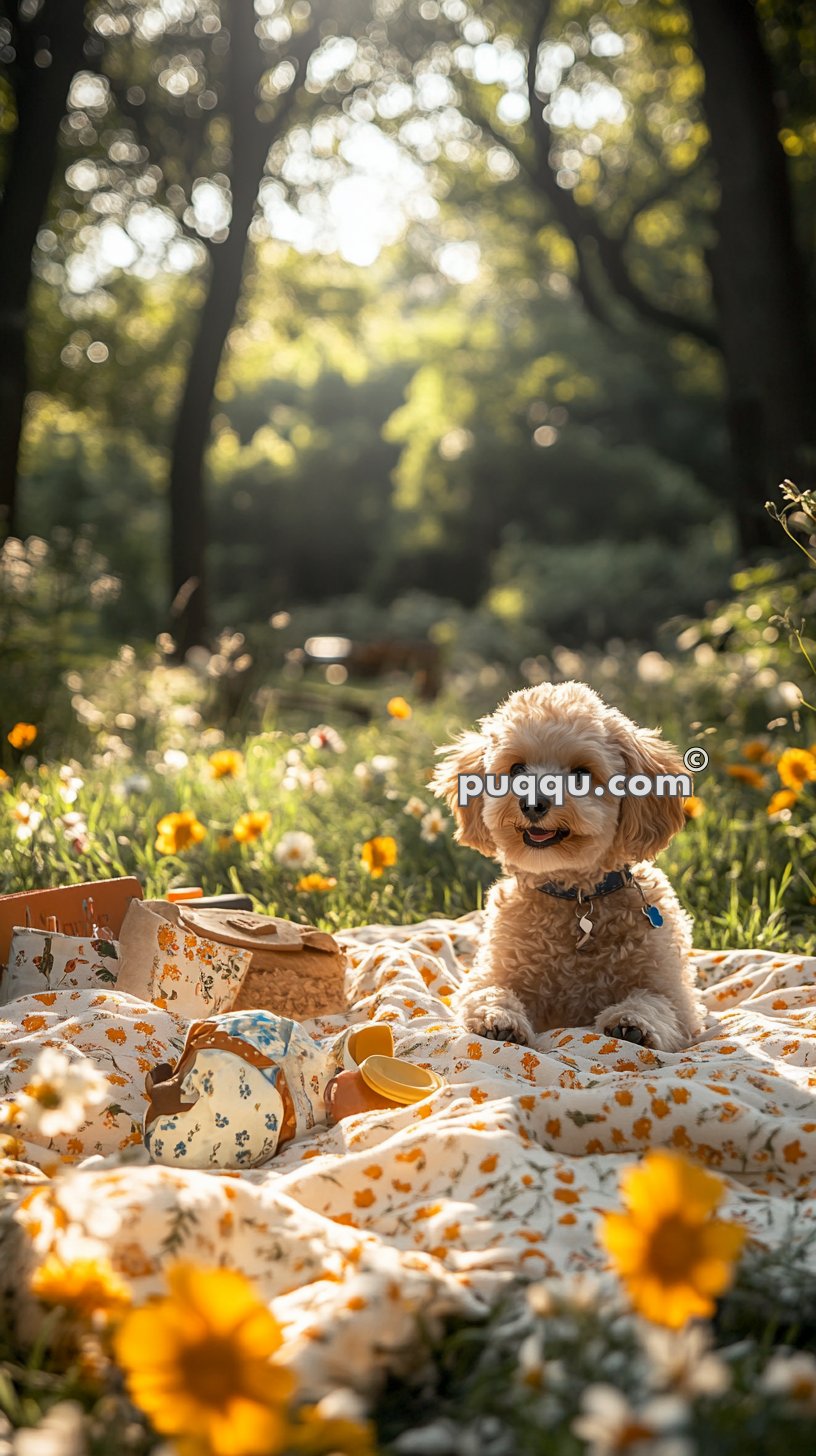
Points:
(584, 923)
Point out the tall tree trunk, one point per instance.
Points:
(41, 93)
(250, 141)
(757, 272)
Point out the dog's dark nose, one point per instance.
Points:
(535, 811)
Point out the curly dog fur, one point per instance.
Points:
(630, 979)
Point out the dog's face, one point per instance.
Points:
(563, 728)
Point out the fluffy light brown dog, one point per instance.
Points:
(627, 978)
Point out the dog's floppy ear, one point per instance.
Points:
(646, 825)
(464, 756)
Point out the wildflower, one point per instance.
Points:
(433, 824)
(683, 1361)
(672, 1255)
(693, 807)
(382, 764)
(28, 819)
(177, 832)
(337, 1423)
(378, 854)
(746, 775)
(398, 708)
(609, 1424)
(251, 826)
(295, 849)
(792, 1375)
(796, 768)
(62, 1431)
(414, 807)
(59, 1094)
(87, 1287)
(227, 763)
(757, 751)
(5, 780)
(75, 830)
(22, 735)
(174, 759)
(309, 884)
(70, 784)
(324, 736)
(199, 1363)
(782, 799)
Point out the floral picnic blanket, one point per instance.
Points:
(430, 1209)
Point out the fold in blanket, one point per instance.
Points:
(500, 1175)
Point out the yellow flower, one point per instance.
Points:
(86, 1287)
(22, 735)
(309, 883)
(177, 832)
(321, 1431)
(379, 853)
(746, 775)
(796, 768)
(5, 781)
(782, 799)
(757, 752)
(398, 708)
(672, 1255)
(227, 763)
(251, 825)
(199, 1364)
(693, 807)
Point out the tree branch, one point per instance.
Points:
(582, 227)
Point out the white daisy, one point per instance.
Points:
(433, 824)
(28, 819)
(296, 849)
(610, 1425)
(683, 1361)
(59, 1094)
(791, 1375)
(382, 764)
(324, 736)
(414, 807)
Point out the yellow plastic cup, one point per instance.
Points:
(399, 1080)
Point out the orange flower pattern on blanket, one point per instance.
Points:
(503, 1172)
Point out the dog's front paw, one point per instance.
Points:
(628, 1030)
(499, 1023)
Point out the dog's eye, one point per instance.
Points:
(581, 772)
(516, 768)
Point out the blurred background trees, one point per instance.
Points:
(405, 300)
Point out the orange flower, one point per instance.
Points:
(5, 781)
(308, 884)
(693, 807)
(22, 735)
(782, 799)
(796, 768)
(87, 1287)
(251, 825)
(398, 708)
(757, 752)
(746, 775)
(674, 1257)
(226, 763)
(177, 832)
(378, 854)
(202, 1364)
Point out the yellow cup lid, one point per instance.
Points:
(398, 1080)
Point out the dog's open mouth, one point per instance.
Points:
(540, 838)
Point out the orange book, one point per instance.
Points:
(76, 909)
